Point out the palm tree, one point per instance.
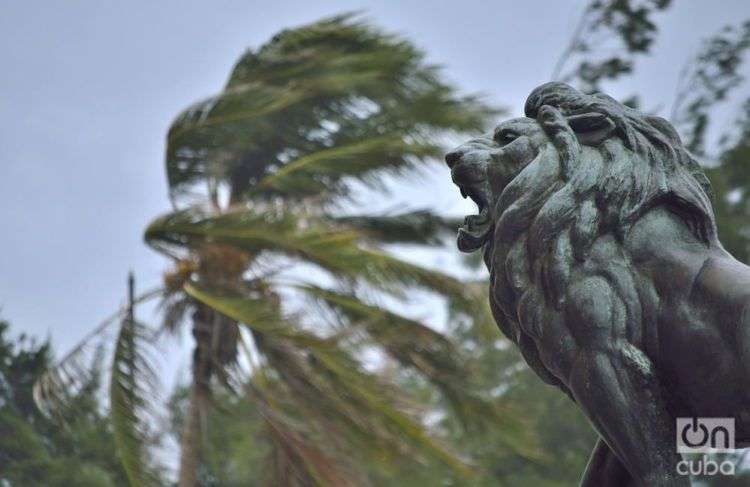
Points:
(274, 256)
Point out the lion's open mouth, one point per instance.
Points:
(476, 228)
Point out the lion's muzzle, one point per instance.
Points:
(468, 165)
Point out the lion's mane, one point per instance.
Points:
(551, 214)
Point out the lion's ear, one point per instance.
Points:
(591, 128)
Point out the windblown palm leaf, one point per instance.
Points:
(419, 227)
(323, 377)
(337, 249)
(132, 385)
(63, 381)
(419, 347)
(320, 171)
(298, 462)
(332, 99)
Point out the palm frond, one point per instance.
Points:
(421, 227)
(319, 171)
(258, 313)
(431, 354)
(330, 390)
(296, 458)
(339, 251)
(307, 95)
(325, 379)
(368, 395)
(298, 462)
(132, 385)
(66, 377)
(408, 341)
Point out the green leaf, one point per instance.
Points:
(65, 378)
(318, 97)
(415, 227)
(260, 314)
(340, 251)
(317, 171)
(333, 378)
(436, 358)
(131, 389)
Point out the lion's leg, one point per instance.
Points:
(605, 469)
(616, 386)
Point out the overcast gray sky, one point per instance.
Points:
(89, 89)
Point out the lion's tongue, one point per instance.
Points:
(474, 232)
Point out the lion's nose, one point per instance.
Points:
(452, 158)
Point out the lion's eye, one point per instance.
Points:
(506, 136)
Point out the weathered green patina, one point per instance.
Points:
(599, 234)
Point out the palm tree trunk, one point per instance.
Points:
(198, 402)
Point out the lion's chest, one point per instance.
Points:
(528, 308)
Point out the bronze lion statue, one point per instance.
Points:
(599, 234)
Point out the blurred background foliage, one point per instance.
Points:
(308, 367)
(39, 450)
